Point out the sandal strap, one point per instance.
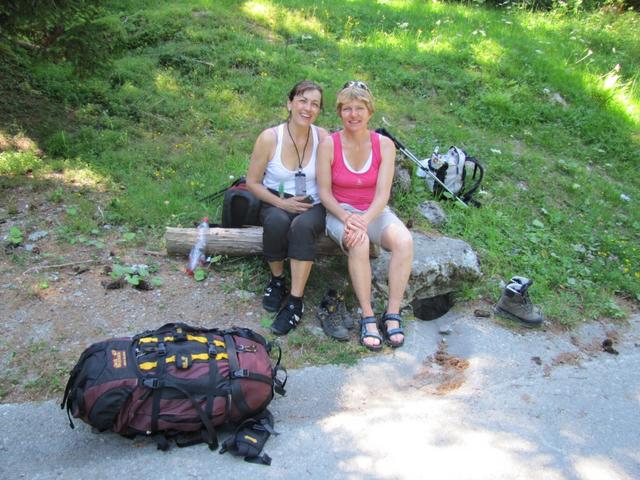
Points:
(395, 331)
(392, 316)
(368, 320)
(364, 333)
(371, 335)
(389, 332)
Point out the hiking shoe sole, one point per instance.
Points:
(504, 314)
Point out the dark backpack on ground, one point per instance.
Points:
(178, 381)
(240, 207)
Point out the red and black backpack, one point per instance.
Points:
(177, 382)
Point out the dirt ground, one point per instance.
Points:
(54, 302)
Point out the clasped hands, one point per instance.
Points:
(355, 230)
(296, 204)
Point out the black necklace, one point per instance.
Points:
(304, 150)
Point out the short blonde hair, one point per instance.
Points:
(355, 91)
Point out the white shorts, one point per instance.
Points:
(335, 228)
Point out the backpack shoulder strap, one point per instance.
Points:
(476, 177)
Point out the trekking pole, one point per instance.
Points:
(407, 153)
(212, 196)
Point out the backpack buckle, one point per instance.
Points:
(240, 373)
(246, 348)
(152, 383)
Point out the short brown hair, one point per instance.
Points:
(303, 86)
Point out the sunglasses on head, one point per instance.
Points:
(357, 84)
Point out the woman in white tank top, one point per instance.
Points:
(282, 175)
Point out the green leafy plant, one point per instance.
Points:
(134, 275)
(199, 274)
(15, 236)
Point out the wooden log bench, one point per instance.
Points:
(235, 242)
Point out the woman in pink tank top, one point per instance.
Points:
(355, 171)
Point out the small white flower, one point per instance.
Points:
(496, 151)
(625, 198)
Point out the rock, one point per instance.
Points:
(440, 266)
(607, 346)
(401, 180)
(557, 98)
(114, 284)
(244, 294)
(35, 236)
(433, 212)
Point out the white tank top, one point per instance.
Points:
(276, 173)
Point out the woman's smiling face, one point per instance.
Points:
(305, 107)
(355, 115)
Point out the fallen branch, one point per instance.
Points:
(155, 254)
(39, 267)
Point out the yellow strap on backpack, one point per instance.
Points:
(194, 356)
(192, 338)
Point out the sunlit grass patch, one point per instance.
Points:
(19, 163)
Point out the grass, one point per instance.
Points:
(549, 102)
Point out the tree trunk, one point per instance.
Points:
(235, 242)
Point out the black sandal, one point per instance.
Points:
(389, 332)
(364, 333)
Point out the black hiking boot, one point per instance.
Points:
(288, 317)
(274, 294)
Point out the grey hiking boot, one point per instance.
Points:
(336, 299)
(516, 304)
(331, 321)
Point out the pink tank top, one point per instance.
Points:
(355, 189)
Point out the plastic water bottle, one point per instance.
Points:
(196, 256)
